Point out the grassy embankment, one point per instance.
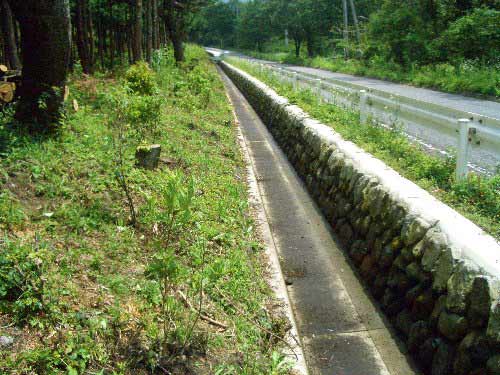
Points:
(84, 289)
(463, 78)
(478, 198)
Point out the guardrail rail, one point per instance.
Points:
(465, 131)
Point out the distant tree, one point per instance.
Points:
(149, 30)
(254, 27)
(45, 46)
(426, 31)
(473, 36)
(215, 25)
(399, 32)
(305, 20)
(287, 16)
(84, 37)
(136, 10)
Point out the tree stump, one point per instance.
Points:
(147, 157)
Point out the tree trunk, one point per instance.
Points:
(111, 37)
(129, 42)
(122, 44)
(45, 43)
(156, 26)
(163, 35)
(9, 35)
(90, 34)
(73, 56)
(178, 48)
(149, 30)
(298, 44)
(2, 50)
(82, 36)
(101, 40)
(175, 30)
(137, 34)
(311, 45)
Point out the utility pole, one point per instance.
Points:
(346, 29)
(355, 18)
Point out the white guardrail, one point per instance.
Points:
(462, 130)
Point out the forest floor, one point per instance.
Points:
(84, 289)
(478, 198)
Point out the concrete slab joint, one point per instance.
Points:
(435, 273)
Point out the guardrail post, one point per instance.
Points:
(318, 89)
(333, 99)
(394, 116)
(463, 150)
(363, 107)
(295, 81)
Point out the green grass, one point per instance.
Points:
(463, 78)
(478, 198)
(82, 290)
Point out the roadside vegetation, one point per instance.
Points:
(464, 77)
(477, 198)
(106, 268)
(451, 46)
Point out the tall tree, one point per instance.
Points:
(255, 25)
(83, 40)
(288, 15)
(156, 25)
(137, 30)
(178, 16)
(309, 20)
(9, 35)
(149, 30)
(45, 45)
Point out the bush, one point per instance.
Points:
(11, 213)
(481, 192)
(399, 33)
(21, 280)
(476, 35)
(141, 79)
(138, 115)
(143, 113)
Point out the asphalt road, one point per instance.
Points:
(487, 108)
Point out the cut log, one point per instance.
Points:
(66, 93)
(7, 90)
(3, 68)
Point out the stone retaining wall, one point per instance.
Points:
(435, 273)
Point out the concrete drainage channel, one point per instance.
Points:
(434, 273)
(341, 330)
